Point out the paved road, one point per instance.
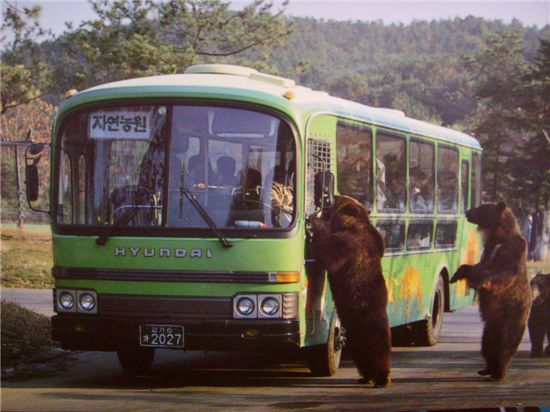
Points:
(438, 377)
(37, 300)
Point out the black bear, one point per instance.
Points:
(351, 248)
(539, 319)
(502, 284)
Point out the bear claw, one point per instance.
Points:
(484, 372)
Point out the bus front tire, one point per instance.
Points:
(426, 332)
(136, 361)
(324, 360)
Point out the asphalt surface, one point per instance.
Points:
(37, 300)
(437, 377)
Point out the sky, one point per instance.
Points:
(531, 12)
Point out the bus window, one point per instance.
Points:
(354, 155)
(445, 234)
(391, 169)
(421, 176)
(465, 185)
(476, 180)
(393, 234)
(82, 189)
(419, 235)
(447, 180)
(319, 160)
(238, 164)
(65, 189)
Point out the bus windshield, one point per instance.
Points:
(133, 165)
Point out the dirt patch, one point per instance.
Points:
(26, 336)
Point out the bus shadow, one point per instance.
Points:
(195, 370)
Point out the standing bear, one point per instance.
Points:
(539, 320)
(502, 284)
(350, 248)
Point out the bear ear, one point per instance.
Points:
(501, 206)
(350, 210)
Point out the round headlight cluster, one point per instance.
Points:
(269, 306)
(86, 301)
(76, 301)
(66, 301)
(245, 306)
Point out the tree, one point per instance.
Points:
(25, 75)
(534, 114)
(36, 117)
(497, 70)
(145, 37)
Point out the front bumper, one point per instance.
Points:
(108, 333)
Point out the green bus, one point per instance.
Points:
(180, 206)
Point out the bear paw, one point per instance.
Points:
(383, 384)
(497, 377)
(484, 372)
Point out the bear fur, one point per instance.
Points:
(501, 281)
(350, 249)
(539, 319)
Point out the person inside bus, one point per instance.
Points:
(420, 192)
(355, 176)
(225, 174)
(447, 195)
(395, 188)
(197, 171)
(282, 196)
(396, 193)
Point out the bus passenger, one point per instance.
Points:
(196, 168)
(395, 189)
(447, 195)
(355, 177)
(282, 197)
(420, 193)
(225, 175)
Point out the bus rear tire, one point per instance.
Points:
(136, 361)
(426, 332)
(324, 360)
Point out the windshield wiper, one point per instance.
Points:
(123, 220)
(206, 217)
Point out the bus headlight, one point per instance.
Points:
(86, 301)
(75, 300)
(244, 306)
(270, 306)
(66, 301)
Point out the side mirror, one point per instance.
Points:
(35, 149)
(324, 190)
(31, 182)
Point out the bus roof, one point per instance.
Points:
(219, 80)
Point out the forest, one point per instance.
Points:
(486, 78)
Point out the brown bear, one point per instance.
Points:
(502, 284)
(350, 248)
(539, 319)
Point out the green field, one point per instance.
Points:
(26, 256)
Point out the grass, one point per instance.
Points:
(25, 335)
(26, 258)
